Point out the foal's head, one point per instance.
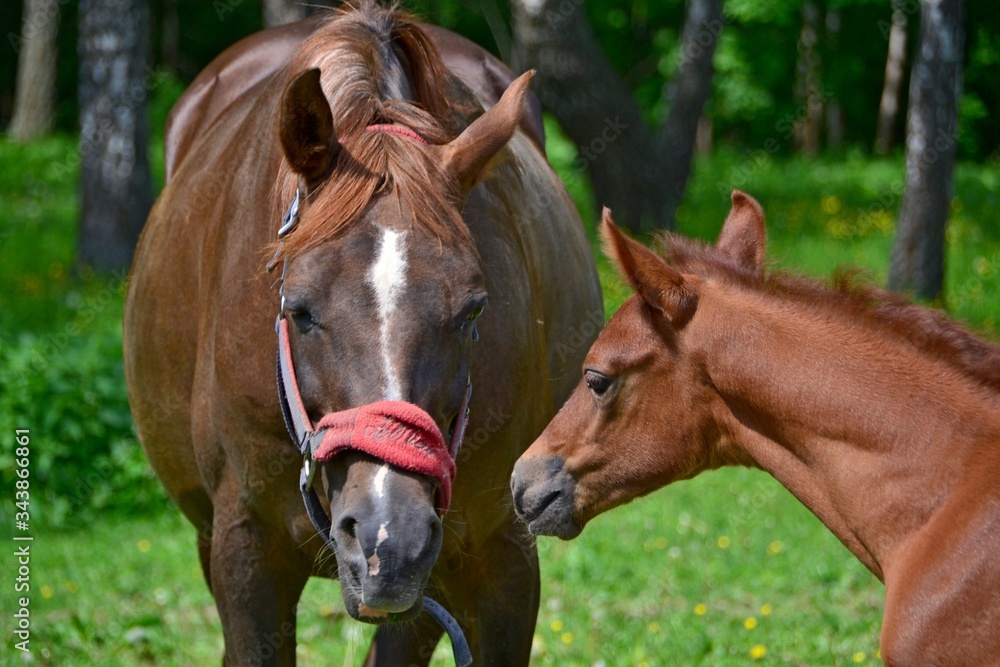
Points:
(642, 416)
(382, 289)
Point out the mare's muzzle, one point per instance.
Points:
(386, 529)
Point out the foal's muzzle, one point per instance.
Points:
(544, 496)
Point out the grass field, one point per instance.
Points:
(727, 569)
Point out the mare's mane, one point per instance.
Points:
(847, 296)
(363, 52)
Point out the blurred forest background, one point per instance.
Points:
(756, 93)
(656, 107)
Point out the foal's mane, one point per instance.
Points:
(360, 50)
(847, 295)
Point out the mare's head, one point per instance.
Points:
(643, 414)
(382, 281)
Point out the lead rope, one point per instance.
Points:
(299, 428)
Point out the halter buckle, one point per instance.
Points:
(291, 217)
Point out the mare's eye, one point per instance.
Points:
(596, 382)
(475, 313)
(303, 320)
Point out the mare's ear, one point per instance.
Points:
(743, 236)
(465, 158)
(661, 286)
(306, 128)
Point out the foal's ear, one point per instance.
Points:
(743, 236)
(465, 158)
(661, 286)
(306, 128)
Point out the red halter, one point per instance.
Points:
(399, 433)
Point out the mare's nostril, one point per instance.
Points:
(348, 526)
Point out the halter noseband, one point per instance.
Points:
(397, 432)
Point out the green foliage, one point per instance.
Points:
(60, 348)
(823, 214)
(68, 389)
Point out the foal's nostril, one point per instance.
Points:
(550, 498)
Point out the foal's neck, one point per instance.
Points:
(869, 433)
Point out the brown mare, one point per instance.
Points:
(415, 206)
(881, 416)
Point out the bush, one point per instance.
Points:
(68, 389)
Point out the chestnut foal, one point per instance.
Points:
(882, 417)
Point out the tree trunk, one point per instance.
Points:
(629, 171)
(807, 82)
(687, 93)
(170, 35)
(115, 189)
(931, 134)
(36, 71)
(834, 112)
(888, 108)
(576, 83)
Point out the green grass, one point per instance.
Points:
(129, 591)
(126, 589)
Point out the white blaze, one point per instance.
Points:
(387, 277)
(380, 480)
(374, 561)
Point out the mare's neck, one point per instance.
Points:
(867, 432)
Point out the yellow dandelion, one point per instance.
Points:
(859, 656)
(774, 548)
(567, 638)
(750, 623)
(46, 592)
(71, 586)
(758, 651)
(723, 542)
(144, 545)
(660, 543)
(766, 609)
(700, 609)
(556, 625)
(653, 627)
(830, 205)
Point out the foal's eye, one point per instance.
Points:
(596, 382)
(303, 319)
